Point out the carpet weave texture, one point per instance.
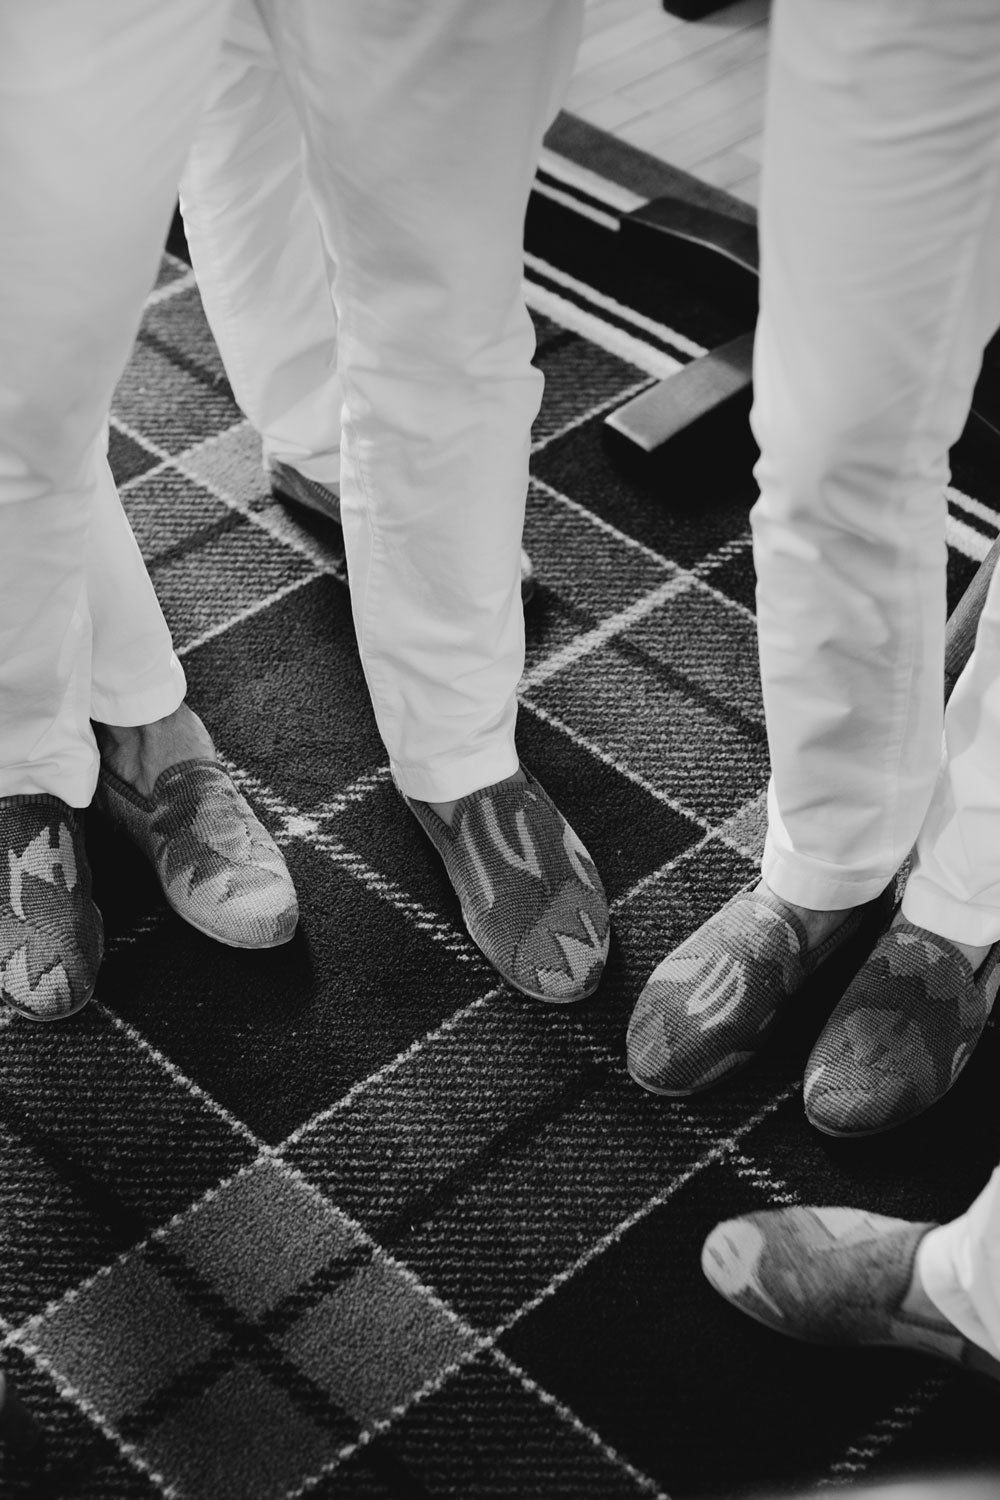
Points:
(350, 1218)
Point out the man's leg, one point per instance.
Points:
(160, 780)
(422, 127)
(880, 211)
(264, 273)
(96, 103)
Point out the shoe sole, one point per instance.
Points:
(229, 942)
(863, 1135)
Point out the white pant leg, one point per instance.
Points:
(258, 254)
(135, 675)
(959, 1265)
(954, 883)
(97, 101)
(880, 217)
(423, 124)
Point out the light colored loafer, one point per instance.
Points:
(218, 866)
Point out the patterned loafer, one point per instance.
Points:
(288, 485)
(832, 1276)
(218, 866)
(531, 898)
(51, 933)
(901, 1034)
(708, 1008)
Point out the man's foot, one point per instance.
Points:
(901, 1034)
(139, 754)
(51, 933)
(531, 898)
(288, 485)
(218, 866)
(975, 952)
(709, 1006)
(834, 1276)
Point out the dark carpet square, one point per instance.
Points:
(100, 1122)
(275, 1036)
(679, 519)
(285, 697)
(641, 1348)
(128, 457)
(523, 1448)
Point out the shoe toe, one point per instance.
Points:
(562, 955)
(671, 1046)
(243, 908)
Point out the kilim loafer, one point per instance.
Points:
(288, 484)
(218, 866)
(832, 1276)
(901, 1034)
(707, 1009)
(531, 898)
(51, 933)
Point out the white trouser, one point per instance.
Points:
(959, 1265)
(880, 225)
(354, 204)
(98, 102)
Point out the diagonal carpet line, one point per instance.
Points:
(858, 1458)
(294, 824)
(591, 412)
(285, 534)
(249, 612)
(387, 1070)
(650, 552)
(760, 1176)
(603, 634)
(519, 1132)
(182, 283)
(124, 1224)
(625, 346)
(717, 1153)
(588, 210)
(244, 1338)
(972, 507)
(661, 873)
(750, 726)
(174, 1073)
(602, 302)
(608, 759)
(644, 1482)
(129, 1451)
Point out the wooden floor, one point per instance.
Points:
(689, 92)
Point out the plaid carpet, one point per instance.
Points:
(349, 1219)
